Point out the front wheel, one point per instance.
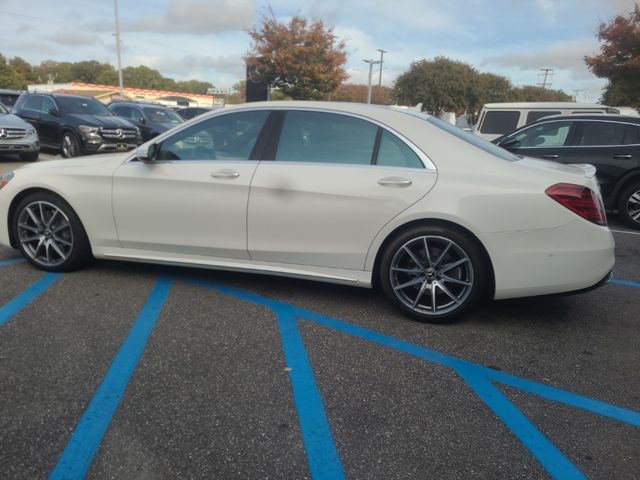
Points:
(434, 273)
(50, 234)
(70, 145)
(629, 206)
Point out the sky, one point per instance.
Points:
(206, 39)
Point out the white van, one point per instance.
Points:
(496, 119)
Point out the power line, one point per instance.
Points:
(548, 73)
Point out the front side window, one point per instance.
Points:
(551, 134)
(632, 135)
(161, 115)
(34, 102)
(326, 138)
(122, 111)
(82, 106)
(394, 152)
(601, 134)
(500, 122)
(225, 137)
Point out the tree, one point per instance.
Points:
(353, 92)
(9, 78)
(301, 59)
(238, 94)
(619, 59)
(530, 93)
(440, 85)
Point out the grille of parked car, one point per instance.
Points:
(118, 133)
(12, 133)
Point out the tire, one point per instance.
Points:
(29, 157)
(629, 205)
(49, 233)
(454, 273)
(70, 145)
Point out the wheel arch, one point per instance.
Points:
(629, 178)
(427, 222)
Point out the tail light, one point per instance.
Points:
(580, 200)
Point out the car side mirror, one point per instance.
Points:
(147, 153)
(511, 143)
(142, 120)
(54, 112)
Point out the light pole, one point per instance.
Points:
(382, 52)
(117, 35)
(371, 64)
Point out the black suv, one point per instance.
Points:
(9, 97)
(611, 143)
(76, 125)
(151, 118)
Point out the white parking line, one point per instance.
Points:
(625, 231)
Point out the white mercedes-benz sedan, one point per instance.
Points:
(346, 193)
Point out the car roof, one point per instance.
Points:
(591, 116)
(134, 102)
(572, 105)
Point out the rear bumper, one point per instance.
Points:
(571, 258)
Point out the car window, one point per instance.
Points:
(632, 135)
(500, 122)
(82, 106)
(551, 134)
(48, 104)
(393, 152)
(3, 109)
(161, 115)
(326, 138)
(225, 137)
(122, 111)
(34, 102)
(601, 133)
(536, 115)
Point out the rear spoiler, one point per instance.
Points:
(589, 170)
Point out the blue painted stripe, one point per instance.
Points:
(626, 283)
(322, 456)
(83, 444)
(11, 261)
(12, 307)
(552, 459)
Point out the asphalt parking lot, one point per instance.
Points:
(134, 371)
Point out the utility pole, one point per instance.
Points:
(547, 72)
(371, 64)
(117, 35)
(382, 52)
(576, 91)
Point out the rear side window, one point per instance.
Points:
(394, 152)
(326, 138)
(602, 134)
(500, 122)
(538, 114)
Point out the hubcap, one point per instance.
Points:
(633, 206)
(431, 275)
(45, 234)
(68, 146)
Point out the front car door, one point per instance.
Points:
(193, 198)
(335, 181)
(544, 140)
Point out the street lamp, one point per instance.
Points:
(117, 35)
(371, 64)
(382, 52)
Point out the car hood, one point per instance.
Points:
(101, 121)
(78, 162)
(12, 121)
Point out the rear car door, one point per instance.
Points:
(613, 147)
(335, 180)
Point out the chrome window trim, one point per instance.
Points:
(424, 158)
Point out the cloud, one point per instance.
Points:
(197, 17)
(72, 38)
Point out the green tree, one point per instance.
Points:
(440, 85)
(9, 78)
(619, 59)
(537, 94)
(301, 58)
(238, 93)
(354, 92)
(24, 69)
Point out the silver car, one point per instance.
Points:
(18, 136)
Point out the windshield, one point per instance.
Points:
(468, 137)
(82, 106)
(3, 110)
(161, 115)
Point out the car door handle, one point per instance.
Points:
(551, 155)
(626, 157)
(225, 174)
(394, 182)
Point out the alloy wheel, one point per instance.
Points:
(69, 146)
(633, 206)
(431, 275)
(45, 233)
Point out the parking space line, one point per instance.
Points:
(322, 456)
(11, 261)
(13, 306)
(625, 231)
(78, 454)
(626, 283)
(477, 376)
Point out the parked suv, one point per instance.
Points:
(611, 143)
(9, 97)
(17, 136)
(76, 125)
(151, 118)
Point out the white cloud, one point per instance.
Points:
(73, 38)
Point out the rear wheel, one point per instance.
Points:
(629, 205)
(50, 234)
(434, 273)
